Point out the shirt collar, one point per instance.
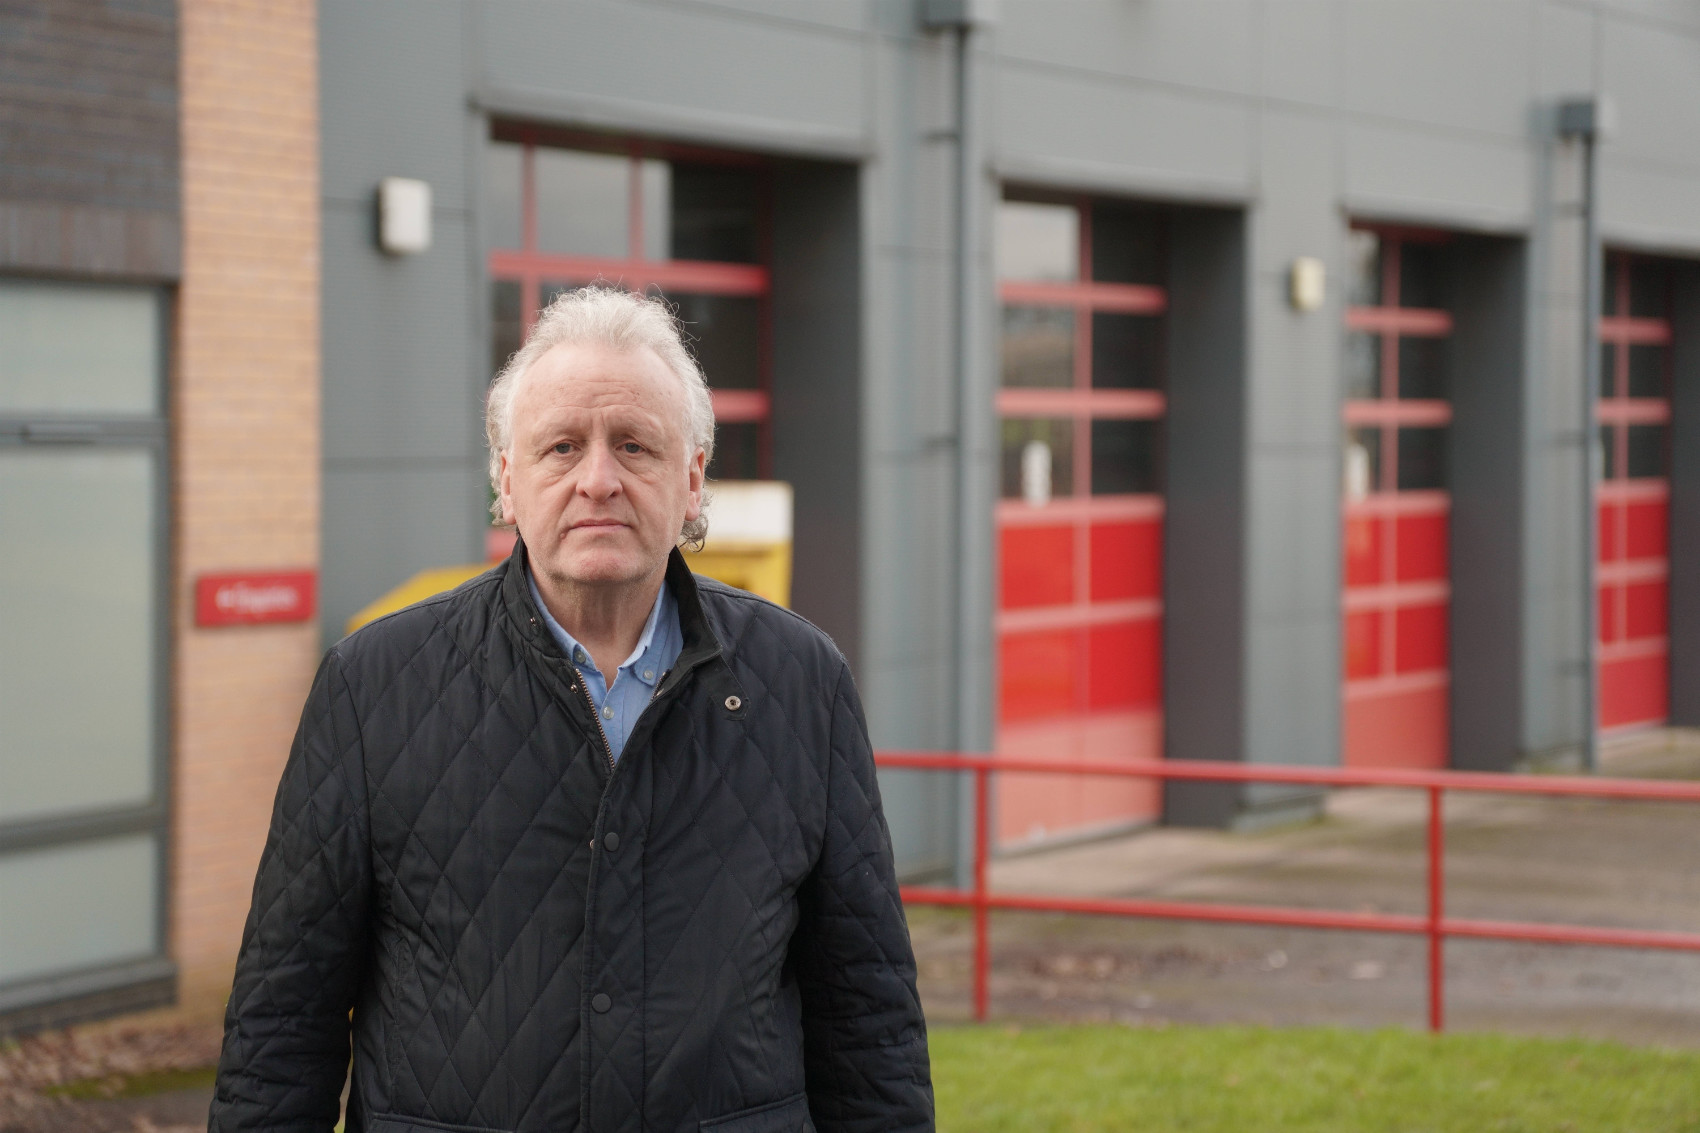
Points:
(571, 647)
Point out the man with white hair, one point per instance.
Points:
(588, 843)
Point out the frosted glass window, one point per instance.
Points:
(583, 202)
(69, 348)
(68, 907)
(77, 589)
(1038, 241)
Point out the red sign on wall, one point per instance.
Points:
(252, 599)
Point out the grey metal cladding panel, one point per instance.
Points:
(841, 15)
(1150, 139)
(918, 808)
(396, 345)
(1297, 212)
(909, 400)
(1295, 391)
(1564, 51)
(1294, 695)
(383, 525)
(1461, 65)
(394, 97)
(924, 217)
(692, 59)
(908, 588)
(914, 701)
(1678, 14)
(1294, 536)
(1650, 208)
(1195, 43)
(1298, 51)
(1654, 77)
(1419, 176)
(89, 114)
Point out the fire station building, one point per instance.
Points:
(1156, 379)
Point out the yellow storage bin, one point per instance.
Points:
(748, 546)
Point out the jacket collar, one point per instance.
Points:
(700, 643)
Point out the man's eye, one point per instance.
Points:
(565, 448)
(632, 447)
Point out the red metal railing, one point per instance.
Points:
(1435, 925)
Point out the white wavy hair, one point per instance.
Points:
(610, 316)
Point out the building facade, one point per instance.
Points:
(1107, 490)
(159, 425)
(1009, 293)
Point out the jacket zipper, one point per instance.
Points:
(607, 748)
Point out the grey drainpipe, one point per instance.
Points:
(971, 573)
(1587, 120)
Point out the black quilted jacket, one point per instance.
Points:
(531, 938)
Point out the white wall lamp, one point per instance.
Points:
(404, 215)
(1307, 284)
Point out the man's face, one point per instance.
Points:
(599, 476)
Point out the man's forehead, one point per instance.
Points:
(569, 374)
(574, 376)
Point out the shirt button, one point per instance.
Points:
(601, 1002)
(608, 711)
(578, 655)
(649, 674)
(610, 841)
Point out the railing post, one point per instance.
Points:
(1436, 911)
(982, 930)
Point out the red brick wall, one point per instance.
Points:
(246, 421)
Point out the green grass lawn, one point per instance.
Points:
(1088, 1079)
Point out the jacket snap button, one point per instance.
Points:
(610, 841)
(733, 704)
(601, 1002)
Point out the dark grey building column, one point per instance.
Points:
(817, 387)
(1204, 551)
(1551, 589)
(1252, 570)
(1685, 497)
(1487, 375)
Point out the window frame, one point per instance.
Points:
(1387, 507)
(1616, 493)
(150, 980)
(530, 267)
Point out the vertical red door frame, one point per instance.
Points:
(1395, 710)
(1081, 404)
(529, 266)
(1634, 568)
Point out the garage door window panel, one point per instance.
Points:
(1633, 493)
(1081, 404)
(688, 224)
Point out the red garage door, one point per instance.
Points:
(1397, 590)
(1080, 521)
(1634, 416)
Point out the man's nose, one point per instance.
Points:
(599, 474)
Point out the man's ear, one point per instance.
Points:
(507, 492)
(699, 476)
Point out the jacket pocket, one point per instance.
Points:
(788, 1116)
(395, 1123)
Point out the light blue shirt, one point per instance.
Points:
(618, 707)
